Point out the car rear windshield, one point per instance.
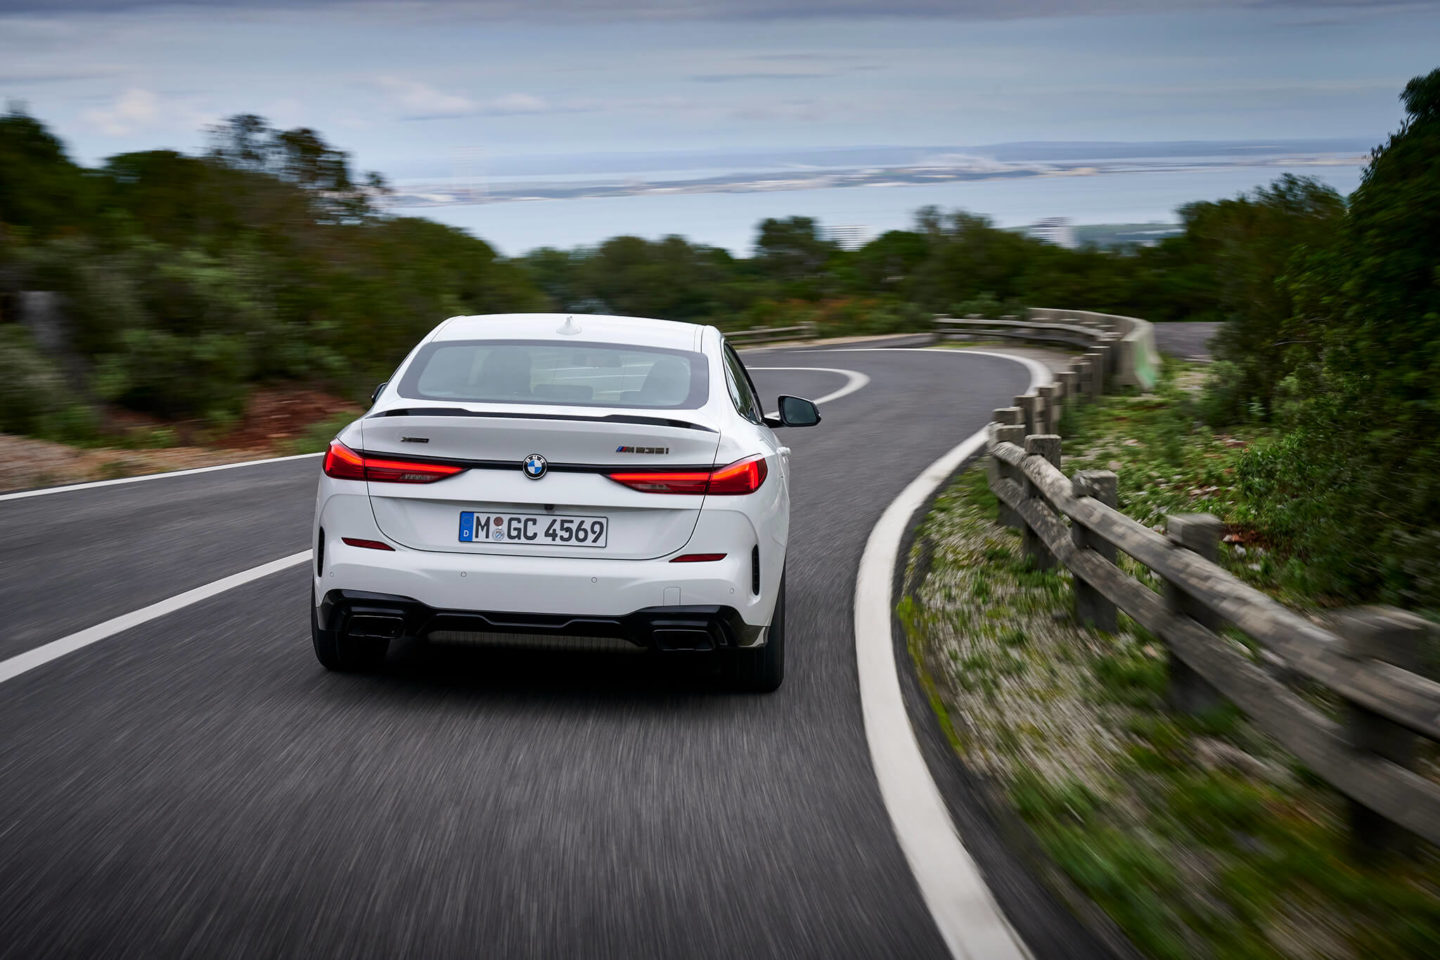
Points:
(544, 372)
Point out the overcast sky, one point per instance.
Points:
(419, 89)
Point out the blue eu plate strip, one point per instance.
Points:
(467, 526)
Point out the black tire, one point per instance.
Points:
(344, 655)
(762, 670)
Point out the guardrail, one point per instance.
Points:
(802, 331)
(1136, 361)
(1346, 698)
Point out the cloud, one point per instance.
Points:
(784, 111)
(756, 75)
(809, 57)
(550, 10)
(421, 100)
(22, 77)
(135, 109)
(516, 103)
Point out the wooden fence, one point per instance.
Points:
(1130, 340)
(1358, 724)
(744, 338)
(977, 327)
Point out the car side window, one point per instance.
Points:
(742, 393)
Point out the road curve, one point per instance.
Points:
(198, 786)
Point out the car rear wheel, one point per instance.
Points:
(762, 669)
(344, 654)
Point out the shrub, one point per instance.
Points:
(32, 389)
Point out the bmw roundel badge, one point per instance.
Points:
(535, 466)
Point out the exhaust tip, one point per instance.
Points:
(375, 626)
(672, 635)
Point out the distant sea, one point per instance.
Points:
(730, 219)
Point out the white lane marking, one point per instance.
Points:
(43, 654)
(1039, 373)
(21, 495)
(967, 916)
(855, 381)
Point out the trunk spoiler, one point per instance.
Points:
(501, 415)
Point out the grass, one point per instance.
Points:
(1168, 462)
(1196, 835)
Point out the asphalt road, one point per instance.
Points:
(199, 786)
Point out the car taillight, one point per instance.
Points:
(342, 463)
(664, 481)
(742, 476)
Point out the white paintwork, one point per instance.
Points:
(967, 916)
(534, 582)
(71, 487)
(647, 530)
(43, 654)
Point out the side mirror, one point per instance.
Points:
(376, 395)
(798, 412)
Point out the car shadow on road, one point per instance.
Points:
(518, 673)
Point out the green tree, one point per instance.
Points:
(1355, 485)
(794, 256)
(40, 188)
(1260, 247)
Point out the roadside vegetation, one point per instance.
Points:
(1194, 837)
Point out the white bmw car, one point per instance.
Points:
(566, 480)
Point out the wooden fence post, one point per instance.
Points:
(1200, 532)
(1029, 404)
(1009, 428)
(1047, 447)
(1084, 381)
(1097, 373)
(1050, 399)
(1008, 416)
(1395, 637)
(1091, 607)
(1070, 387)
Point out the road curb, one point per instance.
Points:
(1017, 872)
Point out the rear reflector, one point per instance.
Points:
(699, 558)
(742, 476)
(342, 463)
(367, 544)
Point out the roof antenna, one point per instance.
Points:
(569, 328)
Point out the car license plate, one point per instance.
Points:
(527, 528)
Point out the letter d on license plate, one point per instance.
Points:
(533, 529)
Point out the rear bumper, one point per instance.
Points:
(693, 628)
(607, 588)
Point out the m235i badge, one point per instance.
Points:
(624, 449)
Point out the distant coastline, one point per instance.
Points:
(658, 175)
(568, 202)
